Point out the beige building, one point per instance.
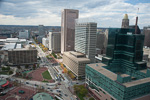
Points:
(75, 62)
(68, 29)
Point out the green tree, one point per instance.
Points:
(24, 75)
(18, 67)
(26, 66)
(3, 68)
(10, 72)
(83, 90)
(34, 66)
(8, 68)
(91, 99)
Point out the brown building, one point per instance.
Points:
(68, 29)
(146, 31)
(22, 56)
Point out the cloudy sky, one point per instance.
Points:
(107, 13)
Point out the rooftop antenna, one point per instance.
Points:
(136, 21)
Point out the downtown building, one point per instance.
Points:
(45, 42)
(55, 41)
(41, 30)
(24, 34)
(85, 39)
(146, 32)
(122, 75)
(85, 48)
(22, 56)
(75, 62)
(68, 29)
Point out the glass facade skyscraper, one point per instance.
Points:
(122, 75)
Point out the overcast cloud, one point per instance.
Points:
(107, 13)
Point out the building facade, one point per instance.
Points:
(85, 39)
(24, 34)
(55, 41)
(146, 32)
(45, 42)
(68, 29)
(75, 62)
(125, 21)
(122, 75)
(23, 56)
(41, 30)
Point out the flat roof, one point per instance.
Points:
(68, 54)
(136, 82)
(2, 82)
(77, 53)
(124, 75)
(42, 96)
(18, 46)
(144, 71)
(8, 39)
(8, 46)
(98, 67)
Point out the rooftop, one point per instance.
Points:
(99, 67)
(8, 46)
(137, 82)
(2, 82)
(42, 96)
(74, 56)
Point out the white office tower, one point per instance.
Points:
(55, 41)
(85, 38)
(45, 42)
(24, 34)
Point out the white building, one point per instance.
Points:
(45, 42)
(85, 38)
(24, 34)
(55, 41)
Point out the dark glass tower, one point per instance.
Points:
(124, 52)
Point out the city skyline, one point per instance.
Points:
(106, 13)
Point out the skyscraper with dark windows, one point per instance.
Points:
(122, 75)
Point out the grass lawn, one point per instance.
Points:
(45, 81)
(46, 75)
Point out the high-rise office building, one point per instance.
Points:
(122, 75)
(85, 38)
(55, 41)
(24, 34)
(41, 30)
(146, 32)
(68, 29)
(125, 21)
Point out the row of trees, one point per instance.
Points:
(6, 70)
(65, 70)
(54, 55)
(43, 47)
